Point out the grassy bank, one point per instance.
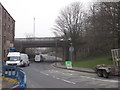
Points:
(92, 62)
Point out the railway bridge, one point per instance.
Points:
(22, 43)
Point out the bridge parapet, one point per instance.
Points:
(37, 39)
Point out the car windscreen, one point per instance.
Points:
(13, 58)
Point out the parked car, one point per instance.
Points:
(17, 59)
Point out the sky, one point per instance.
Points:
(45, 13)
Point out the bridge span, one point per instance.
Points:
(22, 43)
(39, 42)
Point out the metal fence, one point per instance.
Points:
(16, 73)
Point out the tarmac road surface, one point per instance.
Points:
(44, 75)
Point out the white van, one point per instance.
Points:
(39, 58)
(24, 59)
(17, 59)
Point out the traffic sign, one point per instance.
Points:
(71, 49)
(68, 64)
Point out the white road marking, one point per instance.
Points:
(59, 72)
(100, 79)
(67, 81)
(57, 78)
(63, 80)
(53, 71)
(44, 73)
(47, 74)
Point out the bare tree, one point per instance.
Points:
(69, 24)
(28, 35)
(113, 12)
(103, 25)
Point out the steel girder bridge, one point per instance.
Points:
(22, 43)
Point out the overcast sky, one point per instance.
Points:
(44, 11)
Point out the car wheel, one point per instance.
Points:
(99, 73)
(25, 64)
(28, 64)
(105, 74)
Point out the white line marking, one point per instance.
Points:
(47, 74)
(99, 79)
(64, 80)
(44, 73)
(57, 78)
(67, 81)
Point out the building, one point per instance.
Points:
(7, 32)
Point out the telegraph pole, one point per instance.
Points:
(34, 31)
(34, 28)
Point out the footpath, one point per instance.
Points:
(88, 70)
(7, 82)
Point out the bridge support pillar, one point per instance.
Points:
(66, 52)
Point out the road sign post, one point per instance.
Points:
(71, 49)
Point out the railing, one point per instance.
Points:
(16, 73)
(36, 39)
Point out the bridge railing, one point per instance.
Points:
(36, 39)
(16, 73)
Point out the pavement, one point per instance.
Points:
(88, 70)
(7, 82)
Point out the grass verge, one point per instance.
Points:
(93, 62)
